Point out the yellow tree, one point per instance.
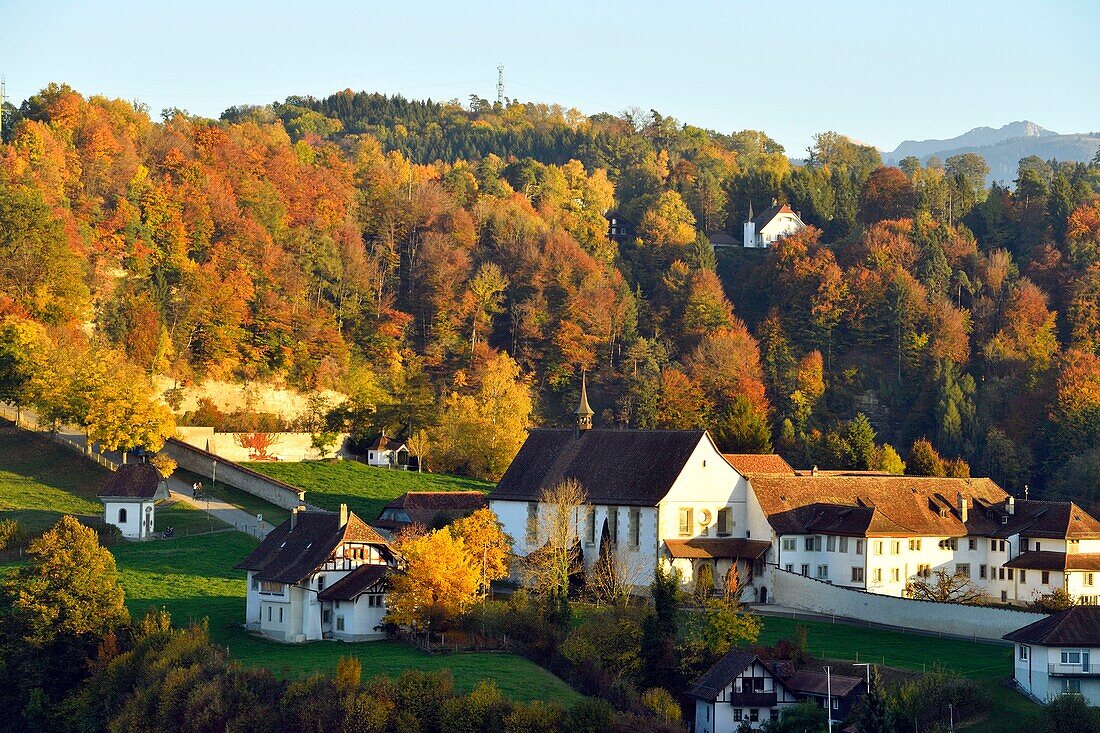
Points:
(481, 433)
(126, 415)
(438, 582)
(69, 586)
(487, 547)
(668, 222)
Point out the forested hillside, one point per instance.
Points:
(449, 268)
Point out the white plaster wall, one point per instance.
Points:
(133, 527)
(840, 564)
(807, 594)
(513, 515)
(252, 602)
(779, 226)
(291, 447)
(360, 619)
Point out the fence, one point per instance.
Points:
(29, 421)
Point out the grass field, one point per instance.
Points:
(40, 480)
(984, 663)
(193, 577)
(365, 489)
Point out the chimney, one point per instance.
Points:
(294, 516)
(343, 514)
(964, 507)
(1010, 505)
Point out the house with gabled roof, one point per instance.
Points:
(129, 499)
(387, 452)
(742, 688)
(429, 509)
(318, 575)
(1059, 654)
(777, 221)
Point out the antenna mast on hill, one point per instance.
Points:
(3, 96)
(500, 85)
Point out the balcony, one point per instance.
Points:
(753, 699)
(1073, 670)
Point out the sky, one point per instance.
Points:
(878, 71)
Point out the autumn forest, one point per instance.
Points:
(449, 267)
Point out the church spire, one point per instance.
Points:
(750, 211)
(584, 410)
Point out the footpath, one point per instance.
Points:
(179, 490)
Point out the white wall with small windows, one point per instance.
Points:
(836, 559)
(1045, 672)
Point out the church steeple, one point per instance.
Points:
(584, 410)
(750, 211)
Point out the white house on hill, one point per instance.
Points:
(776, 221)
(387, 453)
(1060, 654)
(129, 499)
(318, 575)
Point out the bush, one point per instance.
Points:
(12, 535)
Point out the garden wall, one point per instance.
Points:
(202, 462)
(978, 622)
(290, 447)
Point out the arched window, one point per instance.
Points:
(122, 516)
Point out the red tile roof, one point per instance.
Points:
(750, 463)
(135, 480)
(698, 548)
(1059, 561)
(877, 504)
(355, 583)
(425, 507)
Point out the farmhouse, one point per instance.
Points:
(318, 575)
(429, 509)
(1060, 654)
(129, 499)
(776, 221)
(741, 687)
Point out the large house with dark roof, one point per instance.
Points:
(130, 497)
(743, 688)
(1059, 654)
(318, 575)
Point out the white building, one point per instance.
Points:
(129, 499)
(1060, 654)
(318, 575)
(776, 221)
(741, 687)
(387, 453)
(654, 495)
(878, 532)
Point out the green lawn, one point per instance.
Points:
(193, 577)
(365, 489)
(185, 519)
(40, 480)
(985, 663)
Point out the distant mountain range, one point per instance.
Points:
(1003, 147)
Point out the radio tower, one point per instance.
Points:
(500, 85)
(3, 89)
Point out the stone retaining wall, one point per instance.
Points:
(202, 462)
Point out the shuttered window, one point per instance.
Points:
(685, 521)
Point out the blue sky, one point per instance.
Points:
(880, 72)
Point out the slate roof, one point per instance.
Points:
(750, 463)
(355, 583)
(423, 507)
(1060, 561)
(619, 467)
(384, 443)
(711, 683)
(703, 548)
(807, 682)
(872, 504)
(134, 480)
(723, 239)
(288, 555)
(1077, 626)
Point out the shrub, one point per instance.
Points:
(12, 535)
